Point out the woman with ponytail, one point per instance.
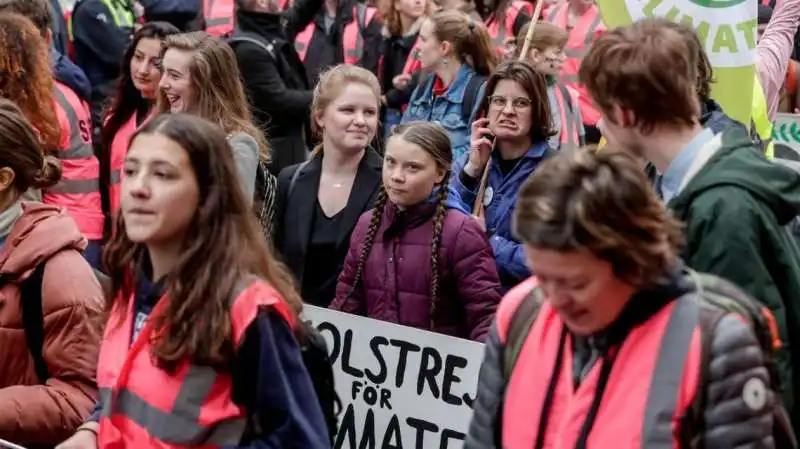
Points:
(46, 387)
(441, 271)
(457, 54)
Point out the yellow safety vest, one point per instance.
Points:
(122, 17)
(760, 117)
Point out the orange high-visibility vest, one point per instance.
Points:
(79, 189)
(569, 135)
(581, 37)
(499, 32)
(144, 406)
(119, 148)
(219, 16)
(353, 41)
(651, 382)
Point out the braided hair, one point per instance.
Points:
(433, 139)
(366, 246)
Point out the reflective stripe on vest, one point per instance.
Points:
(413, 63)
(654, 376)
(352, 39)
(191, 406)
(568, 135)
(78, 191)
(760, 116)
(580, 40)
(119, 148)
(218, 16)
(122, 17)
(499, 32)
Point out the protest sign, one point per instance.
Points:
(727, 30)
(787, 130)
(400, 387)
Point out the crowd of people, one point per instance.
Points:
(179, 178)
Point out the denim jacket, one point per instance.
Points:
(445, 109)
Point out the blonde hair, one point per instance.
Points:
(216, 85)
(331, 84)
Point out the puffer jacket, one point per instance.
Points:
(735, 362)
(397, 273)
(44, 415)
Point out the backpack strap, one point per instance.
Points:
(567, 97)
(471, 95)
(269, 46)
(294, 178)
(519, 328)
(30, 297)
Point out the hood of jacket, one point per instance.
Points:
(41, 231)
(67, 73)
(736, 161)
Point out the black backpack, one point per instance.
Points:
(30, 297)
(317, 361)
(718, 298)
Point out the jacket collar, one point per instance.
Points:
(304, 196)
(454, 93)
(396, 220)
(261, 23)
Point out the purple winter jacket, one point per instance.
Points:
(397, 275)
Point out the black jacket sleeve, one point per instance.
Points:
(299, 15)
(94, 28)
(269, 94)
(372, 45)
(281, 199)
(396, 98)
(738, 412)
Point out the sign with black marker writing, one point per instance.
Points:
(400, 387)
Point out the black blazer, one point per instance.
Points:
(294, 213)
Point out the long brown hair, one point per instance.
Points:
(21, 151)
(470, 39)
(216, 85)
(432, 138)
(599, 202)
(223, 244)
(26, 78)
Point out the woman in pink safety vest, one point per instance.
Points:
(504, 22)
(131, 106)
(62, 121)
(547, 56)
(581, 19)
(612, 343)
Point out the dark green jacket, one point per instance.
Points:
(735, 209)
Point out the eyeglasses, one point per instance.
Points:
(518, 103)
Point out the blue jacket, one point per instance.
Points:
(445, 109)
(67, 73)
(503, 191)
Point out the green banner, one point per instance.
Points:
(727, 29)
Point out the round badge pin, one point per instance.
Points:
(488, 196)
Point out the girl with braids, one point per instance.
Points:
(456, 53)
(441, 272)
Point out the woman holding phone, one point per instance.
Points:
(517, 117)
